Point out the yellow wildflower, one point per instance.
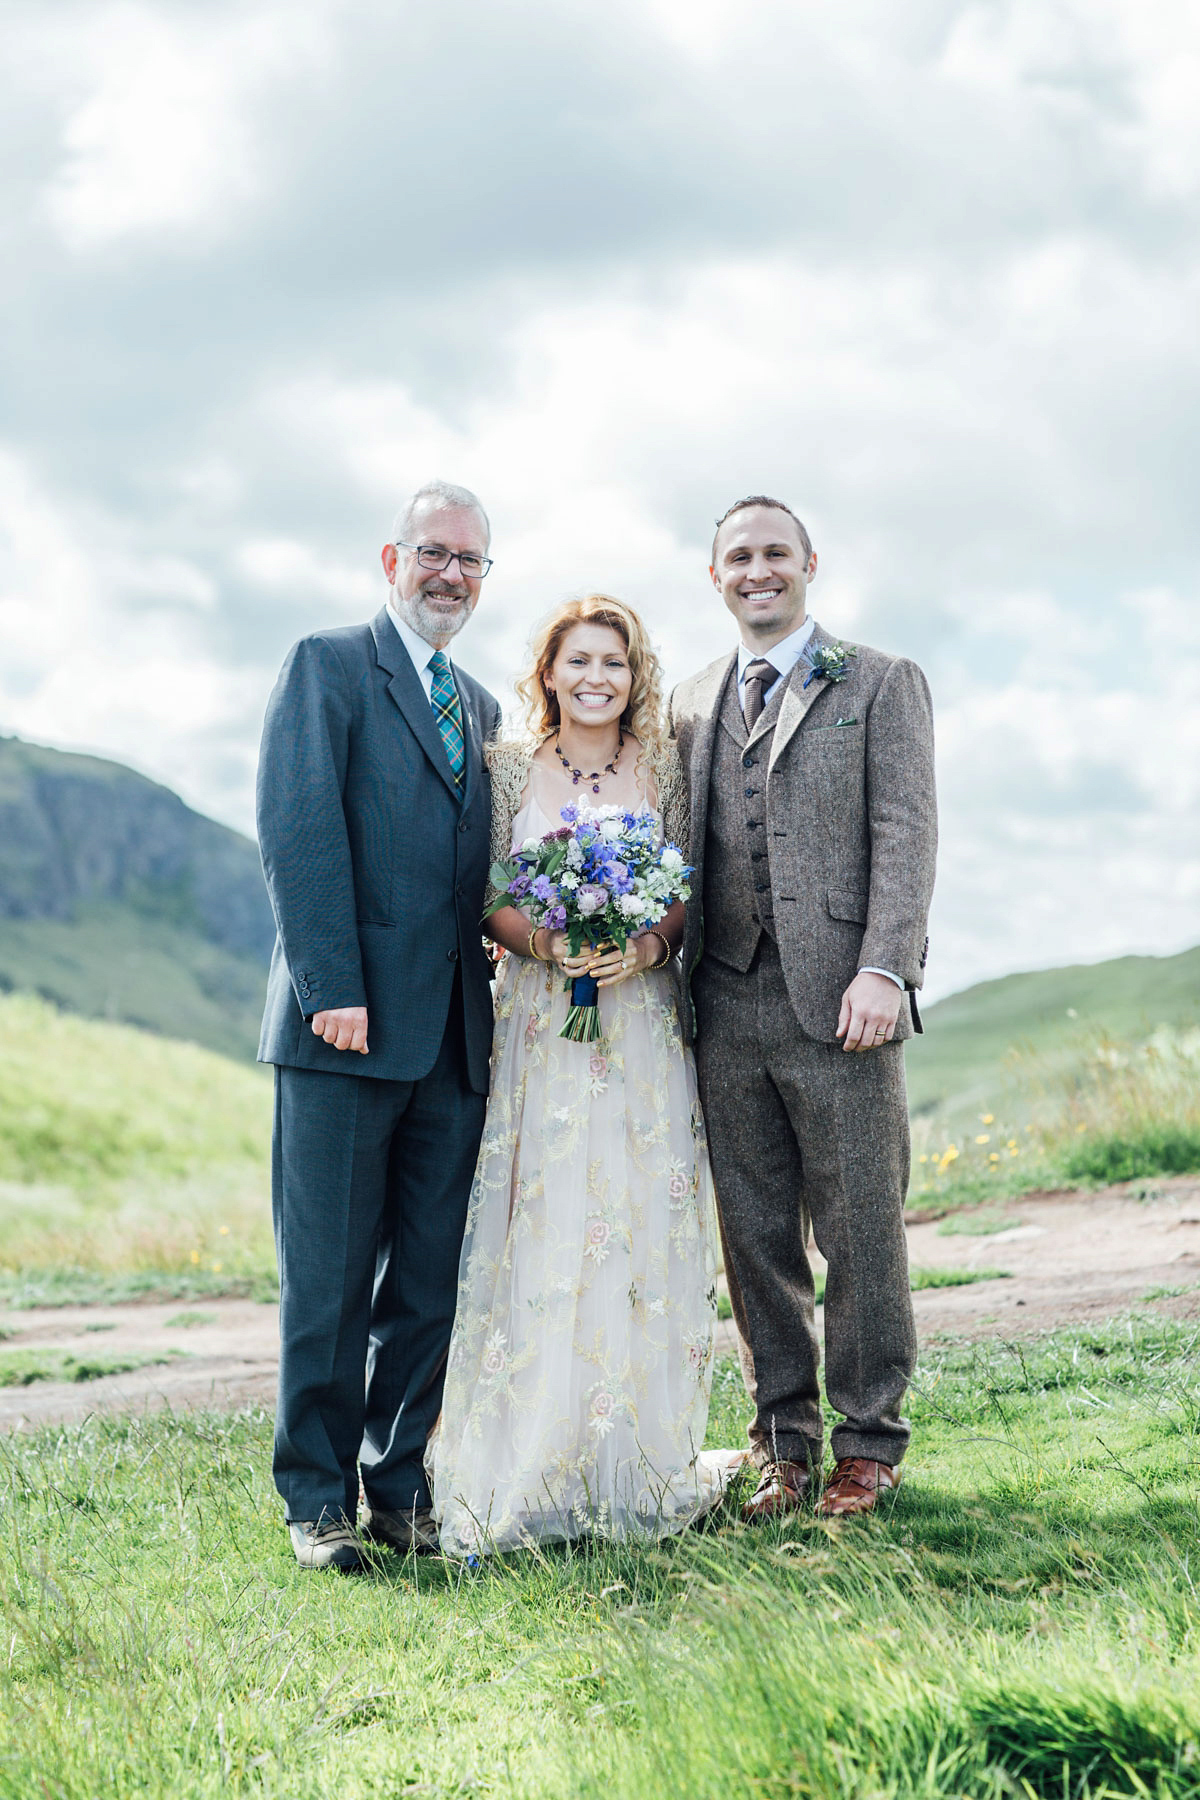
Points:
(985, 1137)
(987, 1118)
(223, 1231)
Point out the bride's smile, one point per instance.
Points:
(591, 679)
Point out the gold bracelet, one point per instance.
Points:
(531, 949)
(665, 958)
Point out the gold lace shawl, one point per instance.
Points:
(509, 763)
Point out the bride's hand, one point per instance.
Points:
(614, 965)
(555, 947)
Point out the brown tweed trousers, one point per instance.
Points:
(814, 838)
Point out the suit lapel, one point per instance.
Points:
(405, 688)
(797, 699)
(709, 703)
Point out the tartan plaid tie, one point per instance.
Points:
(447, 711)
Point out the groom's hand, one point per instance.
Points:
(345, 1027)
(870, 1008)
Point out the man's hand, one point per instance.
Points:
(345, 1027)
(870, 1007)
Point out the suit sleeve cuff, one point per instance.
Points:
(871, 970)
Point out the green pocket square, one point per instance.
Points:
(845, 722)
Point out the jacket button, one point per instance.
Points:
(760, 887)
(749, 762)
(753, 824)
(462, 825)
(452, 956)
(750, 793)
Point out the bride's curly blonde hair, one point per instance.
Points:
(644, 715)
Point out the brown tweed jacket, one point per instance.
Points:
(851, 825)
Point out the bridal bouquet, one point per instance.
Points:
(601, 878)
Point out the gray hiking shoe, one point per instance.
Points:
(326, 1543)
(403, 1531)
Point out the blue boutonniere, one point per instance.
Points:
(828, 662)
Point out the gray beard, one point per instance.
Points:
(434, 626)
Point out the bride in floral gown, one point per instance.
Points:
(577, 1387)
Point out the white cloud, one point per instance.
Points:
(161, 134)
(105, 649)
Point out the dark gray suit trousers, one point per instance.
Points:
(371, 1180)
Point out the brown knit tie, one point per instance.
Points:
(759, 676)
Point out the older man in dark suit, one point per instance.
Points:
(373, 818)
(810, 766)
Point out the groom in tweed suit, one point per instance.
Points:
(814, 833)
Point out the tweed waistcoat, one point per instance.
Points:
(738, 905)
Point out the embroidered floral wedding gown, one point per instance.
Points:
(577, 1386)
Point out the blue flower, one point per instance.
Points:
(828, 662)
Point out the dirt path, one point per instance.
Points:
(1069, 1258)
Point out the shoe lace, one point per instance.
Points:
(327, 1528)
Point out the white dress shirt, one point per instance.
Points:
(418, 649)
(784, 656)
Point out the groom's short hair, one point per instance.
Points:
(762, 500)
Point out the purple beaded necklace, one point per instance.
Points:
(597, 775)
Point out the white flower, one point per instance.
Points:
(574, 855)
(611, 830)
(671, 861)
(631, 906)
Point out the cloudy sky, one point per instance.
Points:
(930, 273)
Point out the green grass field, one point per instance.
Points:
(109, 962)
(132, 1164)
(1022, 1620)
(128, 1163)
(982, 1048)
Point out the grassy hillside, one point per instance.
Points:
(110, 962)
(127, 1154)
(982, 1046)
(119, 901)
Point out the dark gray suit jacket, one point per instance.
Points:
(375, 867)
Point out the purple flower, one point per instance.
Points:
(556, 918)
(591, 900)
(518, 887)
(543, 888)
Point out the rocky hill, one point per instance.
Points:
(117, 900)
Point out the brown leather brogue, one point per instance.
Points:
(855, 1486)
(782, 1488)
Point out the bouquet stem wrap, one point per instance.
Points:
(583, 1015)
(582, 1024)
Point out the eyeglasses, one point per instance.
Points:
(434, 556)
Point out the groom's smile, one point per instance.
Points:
(761, 570)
